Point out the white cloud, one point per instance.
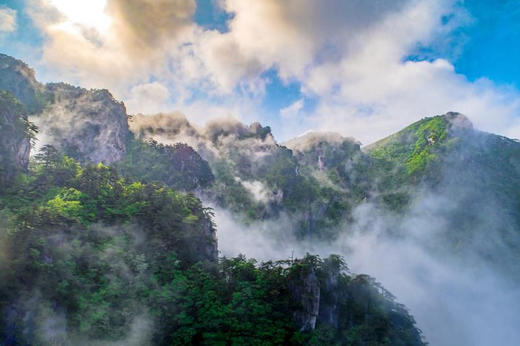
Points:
(293, 109)
(348, 56)
(351, 56)
(7, 19)
(129, 43)
(373, 92)
(148, 98)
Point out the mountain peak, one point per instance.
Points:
(458, 120)
(19, 79)
(311, 139)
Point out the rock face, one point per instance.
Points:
(304, 288)
(15, 142)
(19, 80)
(208, 244)
(322, 151)
(330, 294)
(316, 292)
(458, 120)
(89, 125)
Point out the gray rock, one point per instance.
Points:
(15, 142)
(18, 78)
(330, 295)
(89, 125)
(305, 292)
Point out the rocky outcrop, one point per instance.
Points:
(19, 80)
(208, 245)
(458, 120)
(330, 292)
(15, 142)
(316, 292)
(89, 125)
(321, 151)
(304, 288)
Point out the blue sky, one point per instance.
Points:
(488, 45)
(362, 69)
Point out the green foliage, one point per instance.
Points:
(231, 194)
(317, 201)
(410, 157)
(243, 303)
(177, 166)
(413, 150)
(101, 254)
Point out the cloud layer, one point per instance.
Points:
(351, 58)
(7, 19)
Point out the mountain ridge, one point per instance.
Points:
(465, 183)
(106, 242)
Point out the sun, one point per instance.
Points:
(89, 13)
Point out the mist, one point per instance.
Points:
(461, 286)
(456, 299)
(44, 321)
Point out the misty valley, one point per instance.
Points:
(146, 229)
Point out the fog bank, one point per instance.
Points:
(455, 301)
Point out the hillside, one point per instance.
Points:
(103, 242)
(476, 174)
(106, 235)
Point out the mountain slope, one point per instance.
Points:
(19, 80)
(15, 136)
(99, 254)
(91, 258)
(470, 178)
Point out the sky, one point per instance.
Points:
(364, 69)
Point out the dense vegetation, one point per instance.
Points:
(317, 202)
(126, 253)
(178, 166)
(89, 256)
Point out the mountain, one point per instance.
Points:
(103, 241)
(320, 178)
(15, 136)
(476, 174)
(257, 178)
(88, 124)
(19, 79)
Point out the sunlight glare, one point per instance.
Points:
(88, 13)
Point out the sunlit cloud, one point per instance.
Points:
(90, 13)
(7, 19)
(351, 58)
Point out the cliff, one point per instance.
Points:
(19, 80)
(89, 125)
(15, 136)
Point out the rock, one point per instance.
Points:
(15, 142)
(458, 120)
(304, 288)
(89, 125)
(330, 292)
(19, 80)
